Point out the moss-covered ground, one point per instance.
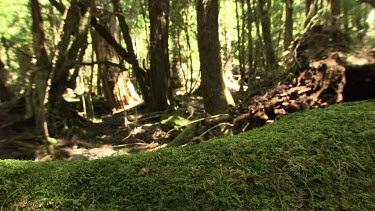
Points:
(317, 160)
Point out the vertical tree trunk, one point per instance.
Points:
(161, 92)
(216, 96)
(105, 52)
(288, 37)
(334, 7)
(190, 62)
(346, 15)
(41, 74)
(250, 44)
(265, 18)
(73, 39)
(228, 66)
(5, 94)
(241, 40)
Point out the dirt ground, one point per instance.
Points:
(126, 132)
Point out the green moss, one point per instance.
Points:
(318, 160)
(185, 136)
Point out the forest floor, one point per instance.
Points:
(304, 161)
(111, 137)
(126, 132)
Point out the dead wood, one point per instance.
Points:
(329, 76)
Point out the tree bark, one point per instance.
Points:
(288, 37)
(140, 74)
(216, 97)
(73, 40)
(68, 49)
(345, 18)
(265, 18)
(241, 40)
(42, 71)
(250, 20)
(334, 14)
(105, 52)
(161, 92)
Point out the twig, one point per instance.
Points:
(207, 119)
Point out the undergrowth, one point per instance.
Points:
(317, 160)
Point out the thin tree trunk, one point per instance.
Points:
(241, 40)
(250, 43)
(75, 27)
(68, 51)
(288, 37)
(140, 74)
(228, 66)
(346, 15)
(334, 14)
(216, 97)
(190, 62)
(161, 92)
(265, 17)
(259, 61)
(42, 71)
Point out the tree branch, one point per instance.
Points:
(100, 62)
(58, 5)
(109, 38)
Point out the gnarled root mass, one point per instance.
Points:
(330, 77)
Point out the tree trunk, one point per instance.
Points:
(76, 27)
(105, 52)
(334, 7)
(346, 14)
(42, 70)
(140, 74)
(161, 92)
(288, 37)
(5, 94)
(216, 97)
(241, 40)
(250, 20)
(265, 18)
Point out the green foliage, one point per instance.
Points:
(185, 136)
(15, 32)
(15, 20)
(317, 160)
(175, 121)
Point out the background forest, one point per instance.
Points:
(181, 70)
